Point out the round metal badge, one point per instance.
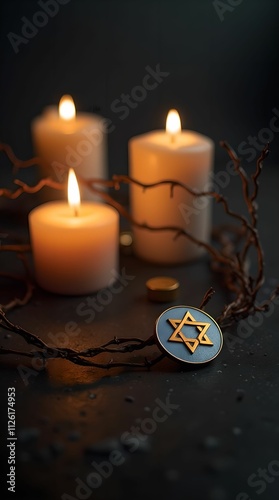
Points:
(189, 334)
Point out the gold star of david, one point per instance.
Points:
(190, 343)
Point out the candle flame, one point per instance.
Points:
(173, 123)
(73, 191)
(67, 109)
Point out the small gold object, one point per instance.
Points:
(162, 289)
(126, 242)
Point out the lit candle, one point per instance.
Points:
(179, 155)
(64, 139)
(74, 245)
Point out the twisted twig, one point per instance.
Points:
(123, 346)
(230, 257)
(15, 161)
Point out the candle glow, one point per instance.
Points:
(185, 157)
(75, 253)
(73, 191)
(67, 109)
(63, 137)
(173, 123)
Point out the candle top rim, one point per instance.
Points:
(59, 213)
(51, 121)
(51, 111)
(186, 140)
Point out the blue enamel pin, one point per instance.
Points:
(189, 334)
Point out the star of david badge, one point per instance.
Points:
(189, 334)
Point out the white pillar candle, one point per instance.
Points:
(64, 139)
(75, 247)
(182, 156)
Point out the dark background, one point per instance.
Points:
(223, 80)
(223, 74)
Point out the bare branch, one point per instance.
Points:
(16, 162)
(207, 297)
(230, 257)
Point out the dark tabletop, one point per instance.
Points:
(197, 433)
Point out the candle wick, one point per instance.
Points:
(76, 211)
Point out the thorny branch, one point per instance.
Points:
(229, 254)
(123, 345)
(20, 250)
